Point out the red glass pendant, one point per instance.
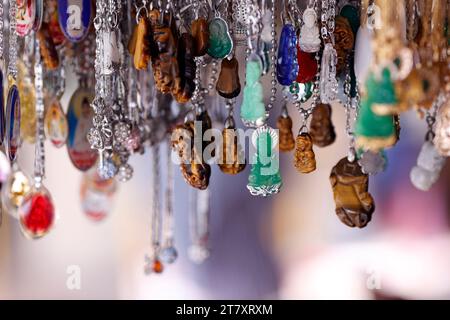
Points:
(307, 66)
(36, 213)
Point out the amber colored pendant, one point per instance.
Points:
(47, 47)
(232, 160)
(36, 213)
(187, 69)
(354, 204)
(321, 127)
(344, 41)
(142, 51)
(304, 158)
(55, 124)
(200, 33)
(228, 84)
(286, 141)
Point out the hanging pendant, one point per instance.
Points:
(55, 124)
(47, 47)
(79, 118)
(187, 68)
(328, 81)
(265, 178)
(442, 138)
(253, 110)
(200, 34)
(232, 159)
(75, 17)
(220, 41)
(12, 135)
(344, 42)
(54, 27)
(284, 125)
(96, 195)
(321, 127)
(307, 69)
(36, 213)
(309, 40)
(13, 191)
(25, 17)
(228, 84)
(141, 50)
(39, 16)
(354, 204)
(429, 166)
(287, 65)
(304, 157)
(372, 131)
(27, 105)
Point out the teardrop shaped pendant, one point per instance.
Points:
(36, 213)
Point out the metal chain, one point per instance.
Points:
(39, 161)
(12, 62)
(273, 57)
(1, 31)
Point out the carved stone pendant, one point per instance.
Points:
(12, 136)
(265, 179)
(354, 204)
(309, 39)
(232, 159)
(428, 168)
(284, 125)
(141, 49)
(253, 110)
(287, 64)
(328, 81)
(228, 85)
(187, 68)
(200, 33)
(220, 41)
(372, 162)
(304, 158)
(321, 127)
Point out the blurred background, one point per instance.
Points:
(289, 246)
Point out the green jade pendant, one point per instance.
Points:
(265, 178)
(253, 110)
(220, 41)
(372, 131)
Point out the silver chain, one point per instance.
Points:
(39, 161)
(273, 58)
(12, 62)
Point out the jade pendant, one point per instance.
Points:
(220, 41)
(375, 132)
(265, 178)
(253, 110)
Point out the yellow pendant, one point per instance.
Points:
(27, 105)
(14, 190)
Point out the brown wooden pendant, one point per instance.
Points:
(187, 68)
